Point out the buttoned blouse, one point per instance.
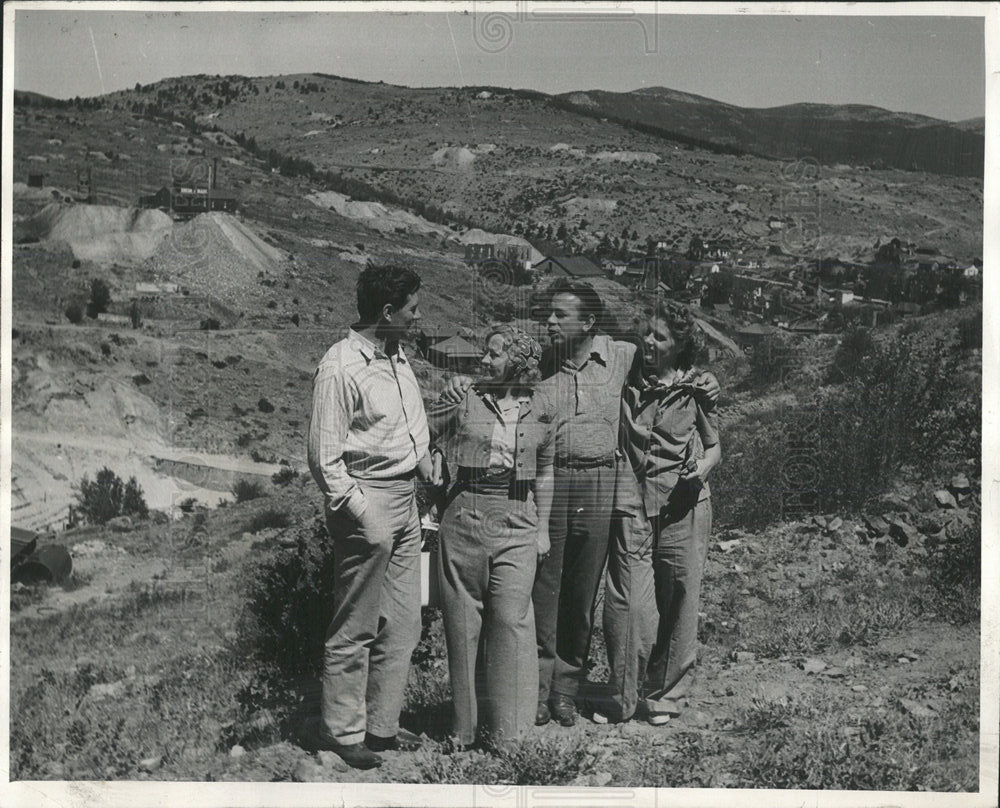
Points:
(663, 427)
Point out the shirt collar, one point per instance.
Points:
(369, 350)
(598, 352)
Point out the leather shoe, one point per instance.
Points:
(564, 710)
(402, 741)
(542, 714)
(356, 755)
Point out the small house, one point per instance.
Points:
(456, 354)
(569, 266)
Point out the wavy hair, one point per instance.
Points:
(523, 355)
(683, 329)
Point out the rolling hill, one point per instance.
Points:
(848, 133)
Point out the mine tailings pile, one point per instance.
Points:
(102, 233)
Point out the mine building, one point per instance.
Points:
(187, 199)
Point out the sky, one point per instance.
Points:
(923, 64)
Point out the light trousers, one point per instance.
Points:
(487, 561)
(651, 603)
(376, 619)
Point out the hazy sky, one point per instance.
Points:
(929, 65)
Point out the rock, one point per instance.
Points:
(960, 484)
(812, 665)
(903, 660)
(110, 690)
(819, 521)
(695, 718)
(600, 779)
(960, 522)
(744, 656)
(332, 761)
(859, 688)
(898, 503)
(121, 524)
(308, 771)
(902, 532)
(835, 524)
(917, 709)
(910, 656)
(17, 586)
(945, 499)
(237, 751)
(834, 673)
(728, 546)
(881, 550)
(877, 526)
(151, 764)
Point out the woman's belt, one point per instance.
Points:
(469, 475)
(578, 465)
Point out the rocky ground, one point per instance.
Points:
(830, 659)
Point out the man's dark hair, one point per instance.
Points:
(590, 300)
(379, 284)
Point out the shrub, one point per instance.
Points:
(771, 360)
(244, 490)
(970, 331)
(855, 345)
(905, 404)
(100, 297)
(107, 497)
(188, 505)
(210, 324)
(269, 519)
(284, 476)
(289, 606)
(74, 313)
(265, 406)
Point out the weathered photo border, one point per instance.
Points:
(493, 24)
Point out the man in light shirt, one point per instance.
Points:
(367, 438)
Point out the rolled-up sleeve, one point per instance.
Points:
(333, 407)
(706, 395)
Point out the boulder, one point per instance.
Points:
(876, 525)
(835, 524)
(902, 532)
(945, 499)
(960, 484)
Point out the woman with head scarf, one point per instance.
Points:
(498, 446)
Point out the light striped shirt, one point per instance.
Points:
(368, 420)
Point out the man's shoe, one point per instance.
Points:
(402, 741)
(542, 714)
(563, 710)
(315, 738)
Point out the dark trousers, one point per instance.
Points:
(566, 585)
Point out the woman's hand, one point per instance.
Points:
(696, 473)
(437, 470)
(455, 389)
(542, 543)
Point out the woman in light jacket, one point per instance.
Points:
(498, 446)
(662, 524)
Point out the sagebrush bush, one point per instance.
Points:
(269, 519)
(245, 490)
(290, 605)
(107, 497)
(904, 403)
(772, 360)
(284, 476)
